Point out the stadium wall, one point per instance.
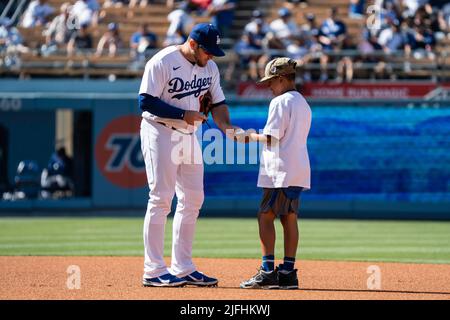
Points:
(370, 158)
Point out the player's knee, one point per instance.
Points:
(159, 205)
(192, 201)
(196, 199)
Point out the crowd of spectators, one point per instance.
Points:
(404, 28)
(409, 29)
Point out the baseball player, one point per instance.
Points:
(174, 82)
(284, 172)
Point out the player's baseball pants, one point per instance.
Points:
(173, 164)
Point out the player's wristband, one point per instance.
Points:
(159, 108)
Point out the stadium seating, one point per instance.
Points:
(155, 15)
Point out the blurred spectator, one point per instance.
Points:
(201, 5)
(285, 28)
(356, 9)
(134, 3)
(446, 15)
(57, 178)
(85, 12)
(390, 11)
(420, 43)
(115, 3)
(444, 24)
(368, 45)
(26, 181)
(9, 35)
(11, 44)
(181, 22)
(412, 6)
(250, 48)
(94, 6)
(142, 41)
(332, 31)
(257, 24)
(310, 30)
(315, 55)
(344, 66)
(222, 15)
(392, 39)
(309, 41)
(111, 39)
(80, 41)
(37, 14)
(294, 5)
(298, 51)
(58, 32)
(436, 24)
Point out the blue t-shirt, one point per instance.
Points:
(397, 42)
(224, 18)
(136, 37)
(332, 31)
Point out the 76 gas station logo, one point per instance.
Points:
(126, 152)
(118, 153)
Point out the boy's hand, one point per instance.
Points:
(240, 135)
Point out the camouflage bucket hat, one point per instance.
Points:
(279, 67)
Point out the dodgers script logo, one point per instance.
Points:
(187, 88)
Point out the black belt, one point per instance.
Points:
(173, 128)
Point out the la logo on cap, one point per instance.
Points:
(218, 40)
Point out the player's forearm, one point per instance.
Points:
(221, 117)
(159, 108)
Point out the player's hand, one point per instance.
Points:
(192, 117)
(242, 136)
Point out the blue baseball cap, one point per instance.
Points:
(284, 12)
(208, 38)
(113, 26)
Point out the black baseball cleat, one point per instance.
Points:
(288, 279)
(262, 280)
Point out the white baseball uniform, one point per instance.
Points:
(171, 77)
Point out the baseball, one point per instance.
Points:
(239, 132)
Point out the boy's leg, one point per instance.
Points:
(287, 275)
(267, 232)
(290, 231)
(267, 277)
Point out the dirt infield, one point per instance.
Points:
(119, 278)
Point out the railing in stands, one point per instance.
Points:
(86, 63)
(7, 8)
(14, 12)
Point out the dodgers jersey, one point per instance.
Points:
(287, 163)
(171, 77)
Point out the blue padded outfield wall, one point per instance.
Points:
(362, 152)
(369, 160)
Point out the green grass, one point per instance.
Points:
(388, 241)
